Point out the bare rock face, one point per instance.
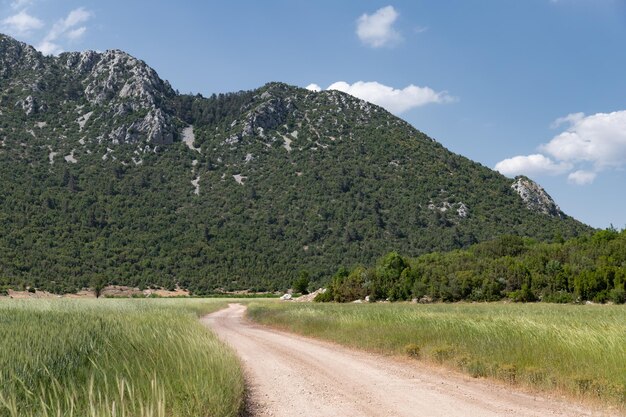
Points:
(124, 95)
(535, 197)
(29, 105)
(115, 75)
(17, 56)
(267, 113)
(123, 85)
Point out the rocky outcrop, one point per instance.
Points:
(156, 127)
(16, 56)
(115, 75)
(124, 85)
(268, 115)
(123, 92)
(29, 105)
(535, 197)
(268, 112)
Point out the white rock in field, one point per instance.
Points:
(286, 297)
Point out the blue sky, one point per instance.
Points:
(535, 86)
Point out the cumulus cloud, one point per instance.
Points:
(588, 146)
(376, 30)
(536, 164)
(49, 48)
(21, 24)
(393, 99)
(599, 139)
(313, 87)
(569, 119)
(65, 28)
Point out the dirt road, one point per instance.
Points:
(289, 375)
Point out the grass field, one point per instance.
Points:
(126, 358)
(579, 350)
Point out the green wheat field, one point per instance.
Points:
(148, 358)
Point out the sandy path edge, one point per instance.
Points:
(290, 375)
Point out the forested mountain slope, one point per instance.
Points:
(107, 173)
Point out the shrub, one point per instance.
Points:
(507, 372)
(301, 284)
(412, 350)
(617, 295)
(443, 353)
(324, 297)
(476, 369)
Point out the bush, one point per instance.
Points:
(525, 295)
(301, 284)
(324, 297)
(617, 295)
(412, 350)
(560, 297)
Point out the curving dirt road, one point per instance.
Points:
(289, 375)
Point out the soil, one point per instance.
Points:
(290, 375)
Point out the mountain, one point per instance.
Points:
(109, 175)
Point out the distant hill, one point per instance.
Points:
(109, 175)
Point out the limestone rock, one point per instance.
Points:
(535, 197)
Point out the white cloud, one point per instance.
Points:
(65, 28)
(536, 164)
(49, 48)
(393, 99)
(76, 34)
(377, 30)
(313, 87)
(589, 145)
(21, 24)
(75, 17)
(599, 139)
(569, 119)
(582, 177)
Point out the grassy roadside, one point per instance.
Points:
(579, 350)
(144, 358)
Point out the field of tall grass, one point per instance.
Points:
(578, 350)
(122, 358)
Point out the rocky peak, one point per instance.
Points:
(15, 55)
(535, 197)
(115, 74)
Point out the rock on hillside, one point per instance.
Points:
(535, 197)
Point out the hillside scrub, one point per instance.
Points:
(578, 350)
(143, 358)
(588, 268)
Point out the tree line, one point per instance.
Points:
(586, 268)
